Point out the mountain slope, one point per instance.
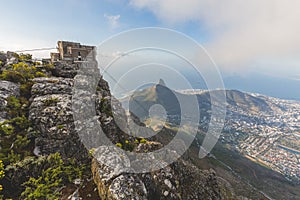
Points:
(141, 101)
(256, 128)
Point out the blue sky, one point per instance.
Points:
(34, 23)
(244, 38)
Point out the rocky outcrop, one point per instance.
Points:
(112, 184)
(180, 180)
(62, 69)
(7, 89)
(52, 116)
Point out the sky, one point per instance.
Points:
(244, 38)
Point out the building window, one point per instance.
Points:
(79, 56)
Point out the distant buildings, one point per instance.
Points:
(71, 52)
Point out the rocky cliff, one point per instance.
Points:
(51, 115)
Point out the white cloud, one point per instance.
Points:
(243, 32)
(113, 20)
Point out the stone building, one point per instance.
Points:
(71, 52)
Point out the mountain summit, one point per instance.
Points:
(161, 82)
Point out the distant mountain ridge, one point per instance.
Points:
(141, 101)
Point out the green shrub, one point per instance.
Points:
(6, 128)
(105, 107)
(47, 185)
(119, 145)
(40, 74)
(48, 67)
(21, 73)
(13, 106)
(92, 151)
(14, 142)
(25, 89)
(20, 123)
(26, 70)
(60, 126)
(13, 157)
(143, 140)
(21, 142)
(126, 145)
(12, 76)
(25, 57)
(13, 103)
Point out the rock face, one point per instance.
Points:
(52, 119)
(179, 180)
(52, 116)
(7, 89)
(65, 70)
(115, 185)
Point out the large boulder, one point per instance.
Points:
(66, 70)
(51, 115)
(179, 180)
(115, 183)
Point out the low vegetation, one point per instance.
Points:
(50, 182)
(131, 145)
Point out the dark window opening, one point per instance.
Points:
(79, 56)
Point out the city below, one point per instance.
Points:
(269, 136)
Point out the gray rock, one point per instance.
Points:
(114, 184)
(51, 115)
(7, 89)
(44, 86)
(65, 70)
